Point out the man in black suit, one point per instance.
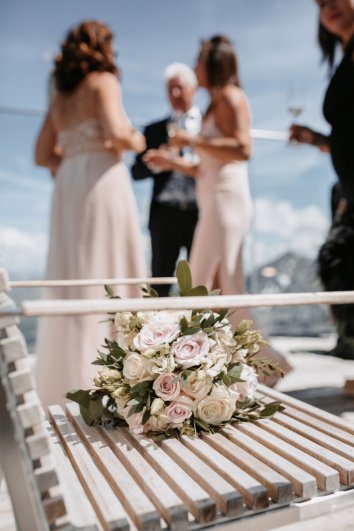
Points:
(173, 209)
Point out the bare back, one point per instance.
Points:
(68, 110)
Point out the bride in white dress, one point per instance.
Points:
(94, 219)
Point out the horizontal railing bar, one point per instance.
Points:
(38, 308)
(91, 282)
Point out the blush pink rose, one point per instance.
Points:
(165, 387)
(135, 421)
(179, 410)
(189, 351)
(154, 334)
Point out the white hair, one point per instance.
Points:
(180, 70)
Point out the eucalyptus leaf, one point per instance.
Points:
(184, 277)
(80, 396)
(197, 291)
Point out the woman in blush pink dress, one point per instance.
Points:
(224, 147)
(94, 222)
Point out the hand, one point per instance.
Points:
(160, 159)
(302, 134)
(180, 138)
(138, 142)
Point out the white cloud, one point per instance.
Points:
(22, 253)
(279, 227)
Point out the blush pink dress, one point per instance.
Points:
(225, 210)
(94, 234)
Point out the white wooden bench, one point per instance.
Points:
(62, 474)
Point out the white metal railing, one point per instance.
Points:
(90, 282)
(51, 307)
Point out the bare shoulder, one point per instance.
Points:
(98, 81)
(232, 96)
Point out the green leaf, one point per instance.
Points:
(197, 291)
(82, 397)
(109, 291)
(184, 277)
(190, 331)
(142, 386)
(149, 292)
(183, 324)
(146, 416)
(92, 414)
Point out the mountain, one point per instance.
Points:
(290, 273)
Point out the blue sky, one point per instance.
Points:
(278, 54)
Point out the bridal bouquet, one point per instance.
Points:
(176, 372)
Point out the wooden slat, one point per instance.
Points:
(133, 500)
(21, 381)
(332, 443)
(37, 445)
(13, 348)
(327, 478)
(166, 500)
(198, 501)
(29, 415)
(46, 477)
(324, 427)
(287, 430)
(79, 510)
(254, 494)
(307, 408)
(108, 508)
(279, 488)
(303, 483)
(227, 499)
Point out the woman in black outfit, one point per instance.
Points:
(336, 256)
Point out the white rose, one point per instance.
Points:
(155, 366)
(165, 387)
(134, 368)
(179, 410)
(156, 406)
(191, 350)
(197, 385)
(217, 407)
(247, 388)
(156, 333)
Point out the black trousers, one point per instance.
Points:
(171, 229)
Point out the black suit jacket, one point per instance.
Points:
(155, 135)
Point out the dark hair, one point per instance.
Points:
(87, 48)
(220, 61)
(328, 42)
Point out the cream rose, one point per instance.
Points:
(189, 351)
(156, 333)
(166, 387)
(179, 410)
(218, 406)
(134, 368)
(197, 385)
(247, 388)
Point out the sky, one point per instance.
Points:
(279, 63)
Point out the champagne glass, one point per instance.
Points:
(296, 96)
(173, 125)
(296, 101)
